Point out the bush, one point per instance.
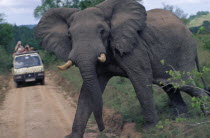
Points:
(205, 28)
(47, 57)
(5, 61)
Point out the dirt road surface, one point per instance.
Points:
(45, 111)
(38, 111)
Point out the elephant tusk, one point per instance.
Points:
(102, 58)
(67, 65)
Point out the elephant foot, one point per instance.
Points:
(179, 110)
(101, 128)
(148, 125)
(74, 135)
(150, 122)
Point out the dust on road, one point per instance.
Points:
(39, 111)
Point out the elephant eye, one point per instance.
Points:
(102, 31)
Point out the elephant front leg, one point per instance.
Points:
(82, 115)
(144, 94)
(139, 71)
(84, 109)
(143, 88)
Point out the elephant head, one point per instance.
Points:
(83, 38)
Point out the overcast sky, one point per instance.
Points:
(21, 11)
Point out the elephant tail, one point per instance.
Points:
(199, 70)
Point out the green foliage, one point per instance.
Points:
(47, 4)
(80, 4)
(206, 43)
(203, 29)
(205, 40)
(177, 81)
(198, 102)
(5, 37)
(88, 3)
(47, 57)
(25, 35)
(162, 62)
(5, 61)
(5, 34)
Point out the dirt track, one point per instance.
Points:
(36, 112)
(42, 111)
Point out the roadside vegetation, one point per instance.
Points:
(199, 18)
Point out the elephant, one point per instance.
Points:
(120, 38)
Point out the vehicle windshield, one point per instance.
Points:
(27, 61)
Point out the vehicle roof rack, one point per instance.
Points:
(26, 53)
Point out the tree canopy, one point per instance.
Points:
(177, 11)
(80, 4)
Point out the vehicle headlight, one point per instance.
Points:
(41, 74)
(18, 77)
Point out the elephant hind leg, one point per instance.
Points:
(195, 91)
(176, 101)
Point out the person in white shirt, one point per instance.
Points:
(19, 48)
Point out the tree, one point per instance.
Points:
(5, 38)
(80, 4)
(5, 34)
(88, 3)
(1, 17)
(47, 4)
(202, 13)
(177, 11)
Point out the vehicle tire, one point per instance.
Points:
(17, 84)
(42, 82)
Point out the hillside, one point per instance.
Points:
(198, 21)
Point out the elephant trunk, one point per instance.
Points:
(87, 68)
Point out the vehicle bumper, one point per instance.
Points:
(30, 77)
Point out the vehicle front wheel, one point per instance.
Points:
(42, 82)
(17, 84)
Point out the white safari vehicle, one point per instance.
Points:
(28, 67)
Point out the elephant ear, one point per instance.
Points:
(52, 30)
(127, 18)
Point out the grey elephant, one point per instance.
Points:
(119, 38)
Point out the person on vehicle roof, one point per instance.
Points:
(19, 48)
(28, 48)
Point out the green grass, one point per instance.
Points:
(120, 96)
(198, 21)
(203, 54)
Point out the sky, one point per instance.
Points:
(20, 12)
